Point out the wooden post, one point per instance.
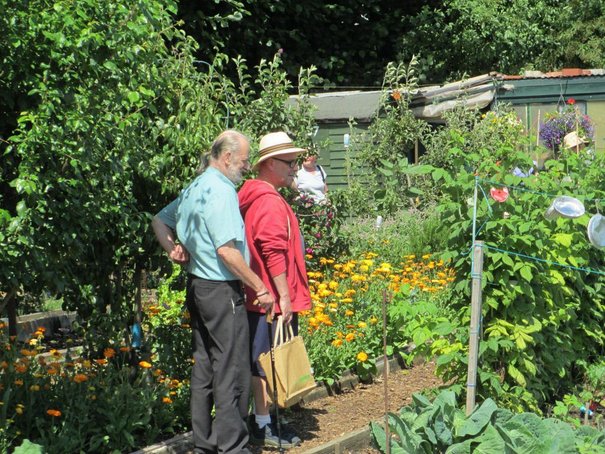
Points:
(416, 151)
(538, 130)
(385, 374)
(473, 350)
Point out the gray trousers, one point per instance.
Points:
(220, 377)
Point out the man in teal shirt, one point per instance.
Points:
(212, 244)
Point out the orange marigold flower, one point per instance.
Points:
(18, 382)
(144, 364)
(337, 342)
(167, 400)
(349, 337)
(109, 353)
(20, 368)
(396, 95)
(26, 352)
(101, 361)
(80, 378)
(362, 357)
(53, 413)
(124, 349)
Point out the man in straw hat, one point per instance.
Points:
(276, 251)
(210, 229)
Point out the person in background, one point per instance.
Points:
(311, 179)
(573, 141)
(210, 229)
(276, 250)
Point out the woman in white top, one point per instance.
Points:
(311, 179)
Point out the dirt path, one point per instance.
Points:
(321, 421)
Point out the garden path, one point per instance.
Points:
(326, 419)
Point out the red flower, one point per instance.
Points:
(571, 101)
(499, 195)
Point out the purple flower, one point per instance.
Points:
(559, 125)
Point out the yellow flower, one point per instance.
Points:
(373, 320)
(337, 342)
(349, 312)
(349, 337)
(19, 409)
(362, 357)
(34, 388)
(333, 285)
(362, 324)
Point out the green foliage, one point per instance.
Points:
(320, 226)
(167, 329)
(103, 403)
(398, 236)
(542, 308)
(324, 34)
(380, 178)
(440, 426)
(510, 36)
(579, 37)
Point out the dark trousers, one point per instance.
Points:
(221, 371)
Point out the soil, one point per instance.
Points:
(324, 420)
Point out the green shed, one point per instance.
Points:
(532, 95)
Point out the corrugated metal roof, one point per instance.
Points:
(564, 73)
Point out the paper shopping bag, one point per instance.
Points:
(293, 375)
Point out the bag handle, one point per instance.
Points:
(282, 334)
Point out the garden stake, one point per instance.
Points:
(271, 347)
(473, 348)
(385, 372)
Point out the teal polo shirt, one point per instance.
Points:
(206, 216)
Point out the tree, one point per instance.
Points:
(113, 106)
(350, 42)
(471, 37)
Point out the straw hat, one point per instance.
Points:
(573, 140)
(596, 231)
(275, 144)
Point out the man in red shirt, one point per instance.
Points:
(276, 255)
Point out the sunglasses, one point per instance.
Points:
(292, 164)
